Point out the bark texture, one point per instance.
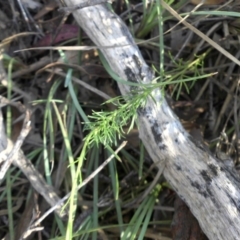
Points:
(210, 189)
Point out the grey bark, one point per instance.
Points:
(210, 189)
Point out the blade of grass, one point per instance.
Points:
(9, 205)
(72, 202)
(161, 38)
(76, 103)
(147, 218)
(9, 132)
(135, 222)
(95, 154)
(48, 130)
(115, 186)
(215, 13)
(141, 162)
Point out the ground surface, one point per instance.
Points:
(208, 107)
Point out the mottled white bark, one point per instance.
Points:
(210, 189)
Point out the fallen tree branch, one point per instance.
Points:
(210, 189)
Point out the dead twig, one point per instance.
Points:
(9, 154)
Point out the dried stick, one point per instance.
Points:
(9, 154)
